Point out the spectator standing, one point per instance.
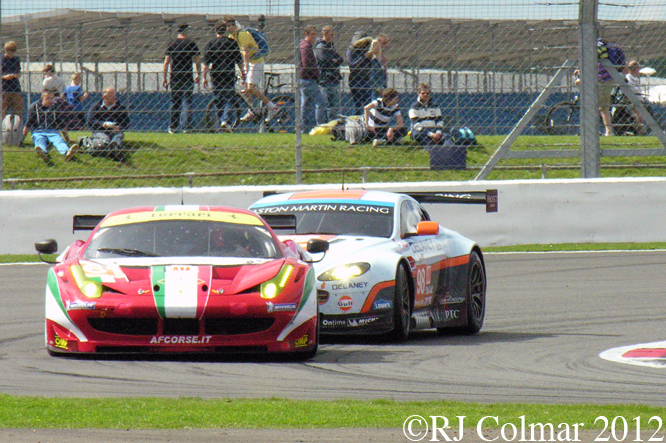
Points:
(359, 57)
(75, 96)
(11, 87)
(252, 70)
(180, 55)
(309, 81)
(379, 68)
(378, 115)
(108, 121)
(426, 119)
(605, 81)
(46, 118)
(634, 82)
(329, 62)
(52, 82)
(221, 56)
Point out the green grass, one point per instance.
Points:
(179, 413)
(253, 159)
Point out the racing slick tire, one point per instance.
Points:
(402, 307)
(476, 298)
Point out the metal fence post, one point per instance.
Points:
(590, 153)
(297, 93)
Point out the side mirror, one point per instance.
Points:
(49, 246)
(427, 228)
(317, 245)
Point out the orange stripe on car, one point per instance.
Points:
(373, 293)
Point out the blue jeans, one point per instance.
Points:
(331, 99)
(42, 138)
(310, 100)
(228, 105)
(181, 97)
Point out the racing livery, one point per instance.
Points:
(389, 269)
(181, 279)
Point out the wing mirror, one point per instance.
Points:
(48, 246)
(427, 228)
(316, 246)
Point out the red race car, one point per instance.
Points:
(177, 279)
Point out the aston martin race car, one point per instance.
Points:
(178, 279)
(390, 269)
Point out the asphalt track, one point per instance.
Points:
(548, 317)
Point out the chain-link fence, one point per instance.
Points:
(505, 70)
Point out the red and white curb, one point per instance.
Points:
(644, 354)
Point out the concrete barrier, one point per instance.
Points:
(530, 211)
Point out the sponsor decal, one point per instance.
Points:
(345, 303)
(644, 354)
(349, 285)
(100, 273)
(217, 291)
(180, 339)
(180, 214)
(79, 305)
(325, 207)
(382, 304)
(60, 343)
(452, 314)
(337, 323)
(281, 307)
(360, 322)
(448, 300)
(142, 291)
(301, 342)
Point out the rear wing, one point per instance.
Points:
(487, 197)
(86, 222)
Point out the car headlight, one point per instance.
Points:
(273, 287)
(88, 287)
(344, 272)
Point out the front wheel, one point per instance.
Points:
(402, 306)
(562, 119)
(285, 119)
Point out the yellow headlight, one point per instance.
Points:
(88, 287)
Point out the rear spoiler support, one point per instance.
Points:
(86, 222)
(487, 197)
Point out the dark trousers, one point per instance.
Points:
(228, 104)
(361, 96)
(181, 98)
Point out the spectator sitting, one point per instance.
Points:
(108, 119)
(427, 122)
(46, 118)
(52, 82)
(75, 96)
(378, 115)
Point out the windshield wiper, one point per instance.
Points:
(128, 252)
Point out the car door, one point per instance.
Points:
(426, 253)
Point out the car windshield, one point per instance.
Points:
(182, 238)
(367, 219)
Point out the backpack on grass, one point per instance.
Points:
(463, 136)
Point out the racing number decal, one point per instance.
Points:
(423, 283)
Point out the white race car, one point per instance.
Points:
(389, 269)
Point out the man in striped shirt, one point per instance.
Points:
(427, 122)
(378, 115)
